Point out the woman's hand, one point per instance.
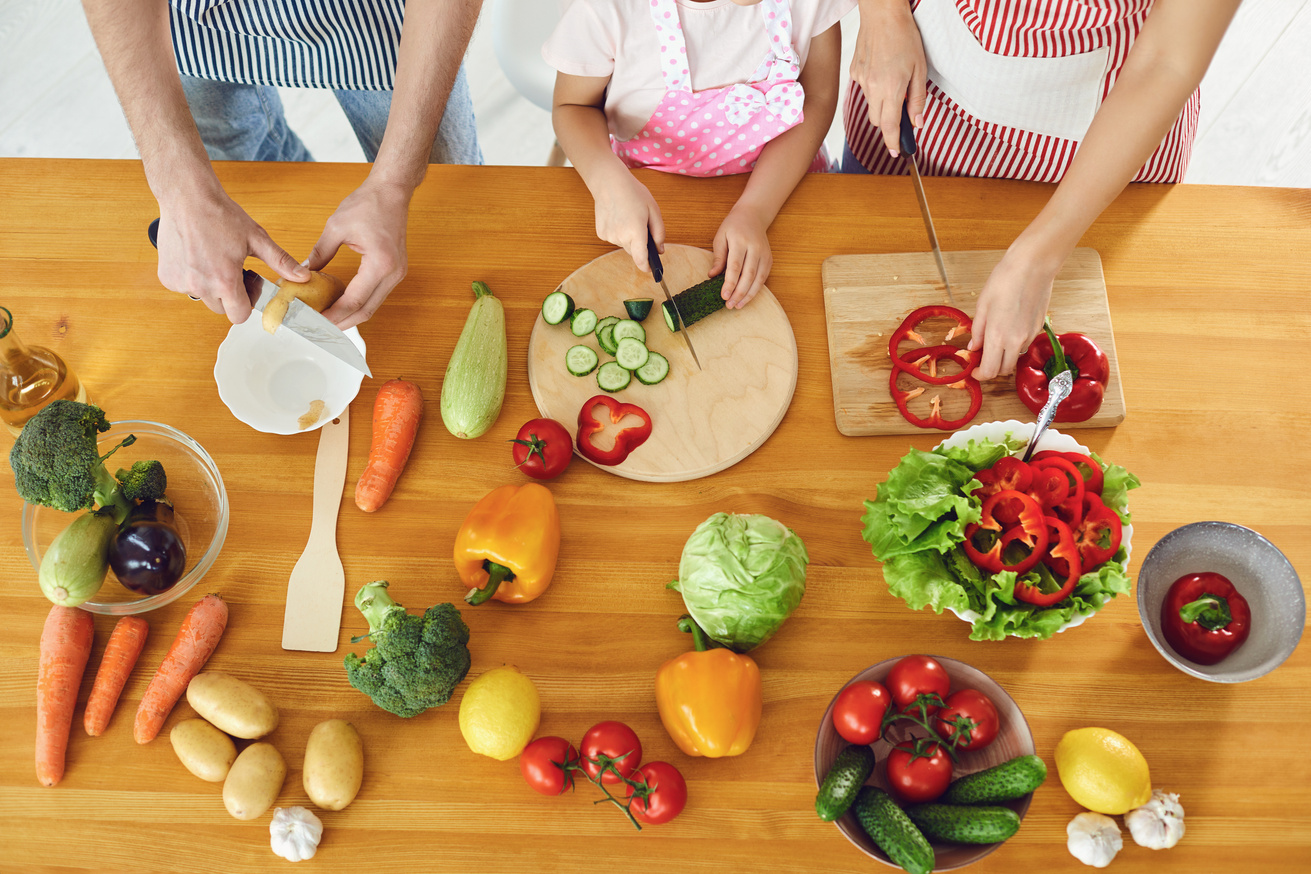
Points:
(625, 210)
(1011, 308)
(889, 66)
(742, 252)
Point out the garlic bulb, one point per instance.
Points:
(294, 833)
(1094, 839)
(1158, 824)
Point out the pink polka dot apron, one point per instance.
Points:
(718, 131)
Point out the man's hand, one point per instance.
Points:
(372, 221)
(742, 252)
(889, 66)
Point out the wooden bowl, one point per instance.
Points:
(1013, 739)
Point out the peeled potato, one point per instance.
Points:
(254, 781)
(232, 705)
(334, 764)
(320, 292)
(203, 749)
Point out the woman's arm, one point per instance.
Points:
(1163, 69)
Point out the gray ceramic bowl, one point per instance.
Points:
(1260, 573)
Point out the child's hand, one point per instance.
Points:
(624, 211)
(1010, 310)
(742, 252)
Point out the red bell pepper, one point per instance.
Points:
(625, 441)
(907, 330)
(1088, 467)
(1008, 472)
(1048, 355)
(1062, 559)
(935, 419)
(1050, 487)
(1099, 533)
(1204, 618)
(913, 361)
(1029, 530)
(1070, 511)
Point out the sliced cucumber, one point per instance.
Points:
(655, 369)
(695, 303)
(582, 322)
(606, 337)
(638, 308)
(631, 354)
(581, 360)
(612, 378)
(630, 328)
(557, 307)
(608, 320)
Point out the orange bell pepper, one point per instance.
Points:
(508, 545)
(709, 699)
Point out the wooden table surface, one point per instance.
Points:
(1209, 299)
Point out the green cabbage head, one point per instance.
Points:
(741, 576)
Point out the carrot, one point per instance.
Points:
(196, 641)
(116, 665)
(65, 650)
(396, 414)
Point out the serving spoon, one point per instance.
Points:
(1058, 389)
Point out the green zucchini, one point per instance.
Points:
(890, 828)
(557, 307)
(612, 378)
(631, 354)
(655, 369)
(841, 784)
(580, 360)
(1005, 782)
(74, 567)
(638, 308)
(474, 386)
(964, 823)
(695, 303)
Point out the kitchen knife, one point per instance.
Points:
(909, 148)
(658, 271)
(301, 319)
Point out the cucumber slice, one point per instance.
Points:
(638, 308)
(608, 320)
(581, 360)
(631, 354)
(582, 322)
(630, 328)
(655, 369)
(557, 307)
(606, 337)
(612, 378)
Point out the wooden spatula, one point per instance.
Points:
(318, 581)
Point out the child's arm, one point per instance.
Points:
(624, 206)
(1163, 69)
(742, 243)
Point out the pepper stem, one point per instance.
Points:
(700, 639)
(496, 574)
(1209, 611)
(1058, 362)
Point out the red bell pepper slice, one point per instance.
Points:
(1063, 559)
(1070, 511)
(1099, 533)
(935, 419)
(907, 329)
(1008, 472)
(1204, 618)
(1046, 356)
(1091, 470)
(1050, 487)
(1029, 530)
(913, 361)
(625, 441)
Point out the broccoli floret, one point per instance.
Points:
(57, 463)
(145, 481)
(416, 661)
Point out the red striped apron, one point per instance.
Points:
(1012, 87)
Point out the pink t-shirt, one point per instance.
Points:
(725, 44)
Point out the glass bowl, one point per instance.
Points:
(1013, 739)
(200, 504)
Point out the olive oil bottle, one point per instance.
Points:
(30, 378)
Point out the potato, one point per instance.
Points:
(319, 293)
(231, 705)
(203, 749)
(254, 781)
(334, 764)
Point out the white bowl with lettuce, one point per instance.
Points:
(918, 521)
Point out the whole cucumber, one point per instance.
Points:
(963, 823)
(893, 831)
(850, 770)
(73, 568)
(1005, 782)
(474, 386)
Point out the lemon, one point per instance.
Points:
(499, 713)
(1103, 770)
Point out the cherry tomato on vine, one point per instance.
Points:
(668, 794)
(915, 675)
(918, 779)
(543, 448)
(858, 712)
(612, 739)
(543, 762)
(973, 704)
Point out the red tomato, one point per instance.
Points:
(543, 448)
(923, 779)
(858, 712)
(973, 704)
(668, 793)
(915, 675)
(613, 739)
(541, 764)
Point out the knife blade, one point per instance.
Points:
(658, 271)
(301, 319)
(909, 148)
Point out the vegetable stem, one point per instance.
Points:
(496, 574)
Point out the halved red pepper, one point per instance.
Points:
(1088, 467)
(1099, 533)
(1048, 355)
(1070, 511)
(625, 441)
(1029, 530)
(934, 419)
(1062, 559)
(1204, 618)
(913, 361)
(907, 329)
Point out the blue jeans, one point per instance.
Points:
(850, 164)
(246, 123)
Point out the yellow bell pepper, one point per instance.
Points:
(508, 545)
(709, 699)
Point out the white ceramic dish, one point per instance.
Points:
(272, 381)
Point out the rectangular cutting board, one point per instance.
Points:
(867, 296)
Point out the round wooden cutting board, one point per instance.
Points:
(702, 420)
